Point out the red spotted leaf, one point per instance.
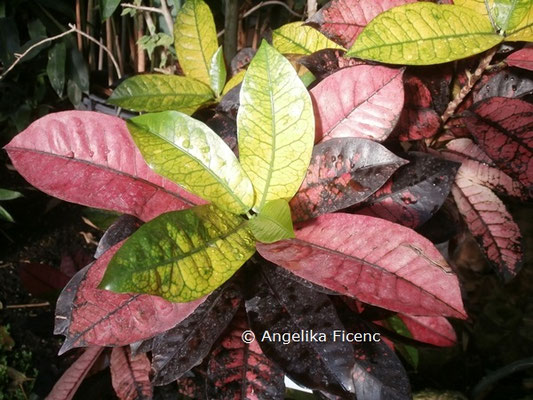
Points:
(478, 167)
(433, 330)
(130, 375)
(89, 158)
(418, 119)
(415, 192)
(65, 388)
(506, 83)
(363, 101)
(324, 62)
(373, 260)
(238, 370)
(343, 172)
(491, 225)
(343, 20)
(192, 385)
(503, 128)
(88, 316)
(521, 59)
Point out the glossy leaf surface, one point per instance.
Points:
(181, 256)
(152, 93)
(434, 330)
(362, 101)
(130, 374)
(88, 316)
(509, 83)
(372, 260)
(121, 229)
(275, 127)
(195, 39)
(522, 59)
(506, 14)
(273, 223)
(91, 159)
(296, 38)
(343, 172)
(425, 33)
(217, 72)
(524, 30)
(187, 151)
(343, 20)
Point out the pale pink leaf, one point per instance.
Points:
(434, 330)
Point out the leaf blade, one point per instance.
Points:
(296, 38)
(130, 374)
(217, 72)
(55, 69)
(273, 223)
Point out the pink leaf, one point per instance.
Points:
(373, 260)
(343, 20)
(491, 224)
(521, 59)
(363, 101)
(65, 388)
(87, 316)
(89, 158)
(130, 375)
(434, 330)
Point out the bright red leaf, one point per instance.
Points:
(130, 374)
(434, 330)
(89, 158)
(363, 101)
(521, 59)
(373, 260)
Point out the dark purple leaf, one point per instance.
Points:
(506, 83)
(121, 229)
(226, 128)
(192, 383)
(324, 62)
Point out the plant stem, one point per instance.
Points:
(311, 8)
(270, 3)
(230, 29)
(31, 305)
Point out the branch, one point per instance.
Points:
(163, 11)
(142, 8)
(271, 3)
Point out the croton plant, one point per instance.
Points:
(360, 163)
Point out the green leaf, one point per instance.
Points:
(234, 81)
(410, 353)
(296, 38)
(57, 57)
(78, 70)
(5, 215)
(506, 14)
(161, 93)
(181, 255)
(424, 33)
(189, 153)
(276, 127)
(9, 194)
(108, 7)
(524, 30)
(217, 72)
(195, 39)
(273, 223)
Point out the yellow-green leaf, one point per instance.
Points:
(217, 72)
(296, 38)
(189, 153)
(234, 81)
(181, 255)
(275, 127)
(161, 93)
(273, 223)
(195, 39)
(424, 33)
(524, 30)
(506, 14)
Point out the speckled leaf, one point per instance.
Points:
(425, 33)
(491, 225)
(88, 316)
(522, 59)
(503, 128)
(372, 260)
(187, 151)
(91, 159)
(415, 192)
(273, 223)
(362, 101)
(296, 38)
(283, 305)
(434, 330)
(275, 127)
(240, 371)
(343, 20)
(506, 14)
(192, 385)
(177, 350)
(343, 172)
(217, 72)
(181, 256)
(509, 83)
(130, 374)
(154, 93)
(195, 39)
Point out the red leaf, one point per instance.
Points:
(521, 59)
(504, 129)
(65, 388)
(86, 315)
(434, 330)
(373, 260)
(478, 167)
(342, 172)
(89, 158)
(343, 20)
(42, 279)
(130, 375)
(491, 224)
(241, 371)
(363, 101)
